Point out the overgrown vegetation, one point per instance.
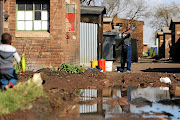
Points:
(19, 97)
(145, 54)
(152, 52)
(66, 67)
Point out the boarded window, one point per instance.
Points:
(70, 17)
(33, 16)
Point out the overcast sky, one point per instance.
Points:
(156, 2)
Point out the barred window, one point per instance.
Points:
(33, 16)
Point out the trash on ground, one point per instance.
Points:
(100, 70)
(165, 80)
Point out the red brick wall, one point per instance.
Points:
(49, 51)
(137, 33)
(167, 38)
(107, 27)
(177, 29)
(161, 46)
(145, 48)
(176, 42)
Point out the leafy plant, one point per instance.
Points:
(17, 67)
(145, 54)
(66, 67)
(53, 69)
(152, 52)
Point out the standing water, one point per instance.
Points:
(148, 102)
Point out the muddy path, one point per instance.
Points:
(93, 95)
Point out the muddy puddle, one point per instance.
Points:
(114, 101)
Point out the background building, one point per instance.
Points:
(175, 27)
(167, 41)
(120, 25)
(47, 31)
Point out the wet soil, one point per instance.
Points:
(63, 95)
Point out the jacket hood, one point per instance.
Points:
(5, 55)
(6, 51)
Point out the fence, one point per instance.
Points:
(88, 42)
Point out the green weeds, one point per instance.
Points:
(79, 92)
(152, 52)
(17, 67)
(69, 69)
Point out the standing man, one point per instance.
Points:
(126, 49)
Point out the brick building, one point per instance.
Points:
(120, 25)
(107, 24)
(175, 27)
(145, 47)
(47, 31)
(166, 41)
(160, 37)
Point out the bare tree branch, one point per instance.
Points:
(88, 2)
(161, 15)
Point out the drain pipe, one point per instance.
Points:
(1, 17)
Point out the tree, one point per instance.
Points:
(115, 6)
(130, 9)
(138, 10)
(88, 2)
(161, 15)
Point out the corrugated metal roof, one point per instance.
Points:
(93, 10)
(166, 30)
(106, 19)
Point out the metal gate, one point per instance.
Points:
(88, 42)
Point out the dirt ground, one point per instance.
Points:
(62, 101)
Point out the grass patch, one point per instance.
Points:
(19, 97)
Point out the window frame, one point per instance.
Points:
(133, 27)
(120, 27)
(33, 15)
(74, 15)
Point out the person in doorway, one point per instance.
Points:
(8, 77)
(126, 49)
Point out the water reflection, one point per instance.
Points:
(141, 100)
(149, 93)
